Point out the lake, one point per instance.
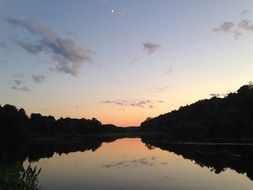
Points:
(129, 163)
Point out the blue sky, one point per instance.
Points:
(122, 61)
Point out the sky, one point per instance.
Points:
(122, 61)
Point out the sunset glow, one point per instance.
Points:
(122, 61)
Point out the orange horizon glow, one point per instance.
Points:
(132, 116)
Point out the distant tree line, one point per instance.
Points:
(228, 117)
(15, 124)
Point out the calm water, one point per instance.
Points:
(130, 164)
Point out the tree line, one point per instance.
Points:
(228, 117)
(15, 124)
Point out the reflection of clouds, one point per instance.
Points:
(77, 163)
(165, 178)
(145, 161)
(168, 179)
(116, 164)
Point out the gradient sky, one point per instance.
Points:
(122, 61)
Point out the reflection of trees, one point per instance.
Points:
(217, 158)
(149, 146)
(14, 176)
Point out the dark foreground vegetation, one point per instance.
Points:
(228, 118)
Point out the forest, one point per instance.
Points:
(230, 117)
(15, 125)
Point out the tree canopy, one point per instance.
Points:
(228, 117)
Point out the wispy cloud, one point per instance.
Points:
(21, 88)
(150, 48)
(218, 95)
(246, 11)
(118, 12)
(225, 27)
(18, 83)
(38, 78)
(133, 103)
(114, 102)
(67, 53)
(236, 29)
(246, 25)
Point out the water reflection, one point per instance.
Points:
(126, 164)
(15, 176)
(139, 162)
(217, 157)
(35, 151)
(13, 173)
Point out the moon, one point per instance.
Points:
(112, 11)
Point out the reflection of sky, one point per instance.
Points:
(129, 164)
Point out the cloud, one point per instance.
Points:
(116, 102)
(38, 78)
(151, 48)
(225, 27)
(118, 12)
(139, 103)
(218, 95)
(67, 53)
(215, 95)
(246, 25)
(133, 103)
(236, 30)
(246, 11)
(21, 88)
(17, 83)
